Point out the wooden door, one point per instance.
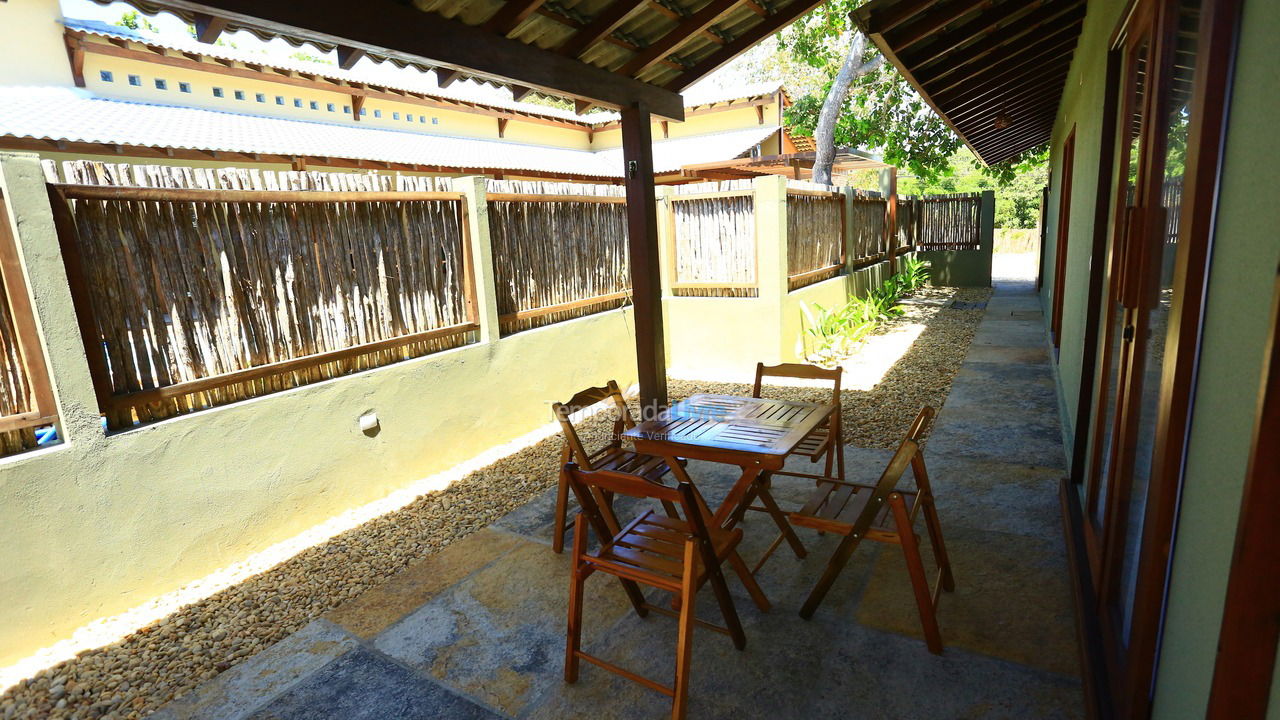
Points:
(1062, 236)
(1149, 331)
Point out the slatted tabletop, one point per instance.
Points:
(727, 422)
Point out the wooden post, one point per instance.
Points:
(482, 296)
(642, 245)
(889, 189)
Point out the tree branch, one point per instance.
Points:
(824, 135)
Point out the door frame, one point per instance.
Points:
(1133, 672)
(1061, 238)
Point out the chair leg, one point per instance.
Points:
(931, 522)
(939, 547)
(749, 581)
(838, 560)
(562, 508)
(915, 568)
(573, 636)
(684, 642)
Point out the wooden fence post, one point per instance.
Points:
(479, 255)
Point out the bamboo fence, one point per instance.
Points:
(945, 222)
(815, 238)
(16, 392)
(256, 283)
(559, 251)
(712, 239)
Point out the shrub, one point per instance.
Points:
(836, 331)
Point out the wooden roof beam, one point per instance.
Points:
(742, 43)
(1035, 114)
(938, 16)
(993, 39)
(1026, 53)
(511, 15)
(882, 20)
(1033, 93)
(1028, 42)
(209, 27)
(601, 26)
(349, 56)
(944, 43)
(682, 33)
(401, 32)
(1000, 80)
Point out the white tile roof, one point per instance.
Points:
(408, 78)
(56, 113)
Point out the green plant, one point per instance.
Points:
(835, 331)
(916, 273)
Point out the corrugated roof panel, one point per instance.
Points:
(78, 116)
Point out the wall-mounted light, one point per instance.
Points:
(1003, 120)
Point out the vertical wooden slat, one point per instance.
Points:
(22, 316)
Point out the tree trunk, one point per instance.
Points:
(824, 135)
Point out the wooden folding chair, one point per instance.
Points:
(611, 456)
(825, 442)
(678, 556)
(885, 513)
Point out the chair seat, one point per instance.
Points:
(648, 467)
(651, 549)
(814, 444)
(834, 507)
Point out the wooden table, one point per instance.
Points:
(756, 434)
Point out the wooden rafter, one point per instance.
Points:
(940, 15)
(349, 56)
(401, 32)
(972, 64)
(1024, 53)
(742, 43)
(511, 14)
(601, 26)
(993, 38)
(209, 27)
(677, 36)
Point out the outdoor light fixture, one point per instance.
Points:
(1003, 120)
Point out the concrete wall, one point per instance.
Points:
(966, 268)
(102, 522)
(1244, 258)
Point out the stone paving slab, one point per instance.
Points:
(477, 630)
(363, 685)
(236, 693)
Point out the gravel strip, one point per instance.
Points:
(137, 675)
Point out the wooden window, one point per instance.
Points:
(1063, 236)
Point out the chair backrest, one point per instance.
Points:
(573, 448)
(587, 483)
(801, 372)
(922, 422)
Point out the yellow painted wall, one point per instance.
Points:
(102, 523)
(699, 124)
(31, 47)
(426, 120)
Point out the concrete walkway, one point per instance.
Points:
(478, 629)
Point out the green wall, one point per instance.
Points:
(1244, 258)
(1245, 252)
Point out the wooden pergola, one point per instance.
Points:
(798, 166)
(633, 56)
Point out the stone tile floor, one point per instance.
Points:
(478, 629)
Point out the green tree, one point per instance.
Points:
(866, 102)
(134, 21)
